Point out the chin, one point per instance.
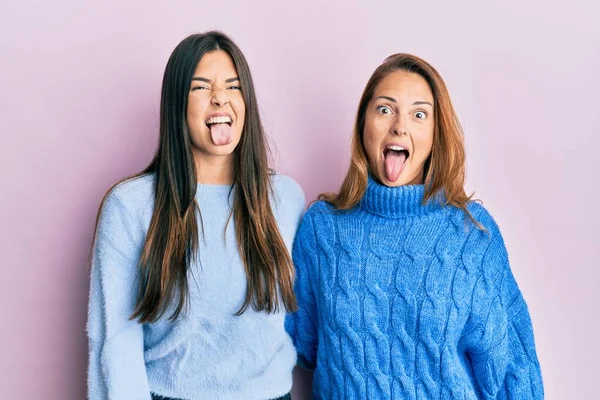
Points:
(399, 182)
(224, 150)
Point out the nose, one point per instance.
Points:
(219, 98)
(400, 126)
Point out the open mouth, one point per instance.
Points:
(218, 120)
(221, 132)
(395, 157)
(396, 150)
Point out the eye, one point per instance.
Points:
(420, 115)
(385, 110)
(234, 88)
(201, 87)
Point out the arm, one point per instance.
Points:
(116, 367)
(501, 347)
(302, 326)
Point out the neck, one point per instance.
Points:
(214, 170)
(397, 202)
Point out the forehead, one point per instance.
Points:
(404, 85)
(216, 64)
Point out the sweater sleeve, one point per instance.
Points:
(116, 368)
(302, 325)
(501, 344)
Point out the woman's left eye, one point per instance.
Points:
(234, 87)
(420, 115)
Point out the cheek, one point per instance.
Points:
(424, 144)
(239, 108)
(371, 140)
(369, 144)
(195, 113)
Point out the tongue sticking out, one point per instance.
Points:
(394, 164)
(221, 134)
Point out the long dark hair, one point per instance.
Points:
(172, 240)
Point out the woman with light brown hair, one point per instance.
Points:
(403, 282)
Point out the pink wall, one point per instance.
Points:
(79, 93)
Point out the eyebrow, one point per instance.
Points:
(416, 103)
(393, 100)
(201, 79)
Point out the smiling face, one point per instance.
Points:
(398, 129)
(216, 109)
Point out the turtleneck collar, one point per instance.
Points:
(397, 202)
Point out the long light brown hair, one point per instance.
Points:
(171, 243)
(444, 172)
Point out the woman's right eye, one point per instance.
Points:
(384, 110)
(200, 88)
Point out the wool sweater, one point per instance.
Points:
(208, 352)
(404, 300)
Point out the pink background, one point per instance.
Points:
(79, 97)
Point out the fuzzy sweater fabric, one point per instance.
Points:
(400, 300)
(208, 352)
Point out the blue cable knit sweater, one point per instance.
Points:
(400, 300)
(207, 353)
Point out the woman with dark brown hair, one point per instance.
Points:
(191, 273)
(403, 282)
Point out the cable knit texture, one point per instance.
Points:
(207, 353)
(400, 300)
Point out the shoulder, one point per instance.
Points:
(320, 214)
(483, 216)
(482, 243)
(288, 193)
(132, 196)
(321, 209)
(494, 256)
(134, 189)
(464, 222)
(287, 188)
(317, 229)
(288, 203)
(124, 215)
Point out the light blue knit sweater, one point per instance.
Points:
(398, 300)
(208, 353)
